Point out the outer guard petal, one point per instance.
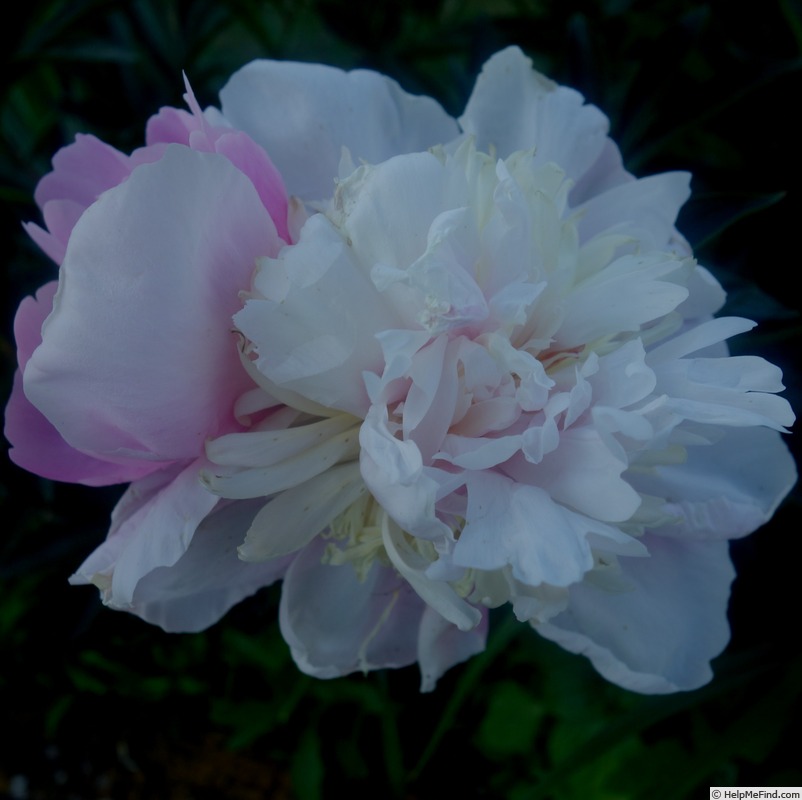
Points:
(512, 107)
(138, 358)
(209, 578)
(36, 445)
(304, 114)
(660, 636)
(335, 624)
(726, 489)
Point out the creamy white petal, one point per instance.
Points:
(293, 518)
(267, 447)
(291, 472)
(438, 595)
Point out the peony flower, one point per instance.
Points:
(483, 371)
(521, 343)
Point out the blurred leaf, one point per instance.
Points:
(307, 767)
(85, 681)
(249, 720)
(268, 654)
(513, 718)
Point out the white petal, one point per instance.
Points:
(437, 594)
(209, 578)
(304, 114)
(698, 338)
(726, 489)
(645, 209)
(152, 527)
(661, 635)
(309, 340)
(622, 297)
(336, 624)
(725, 391)
(519, 525)
(291, 520)
(441, 645)
(512, 107)
(393, 471)
(583, 473)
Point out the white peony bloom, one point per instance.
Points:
(500, 380)
(477, 366)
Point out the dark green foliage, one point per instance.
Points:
(98, 704)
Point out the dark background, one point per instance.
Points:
(97, 704)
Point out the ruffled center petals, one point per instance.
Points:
(298, 318)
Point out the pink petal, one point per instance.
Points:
(138, 359)
(36, 445)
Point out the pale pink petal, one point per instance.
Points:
(30, 317)
(252, 161)
(82, 171)
(138, 359)
(170, 126)
(35, 444)
(194, 130)
(38, 447)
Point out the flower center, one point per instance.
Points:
(357, 537)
